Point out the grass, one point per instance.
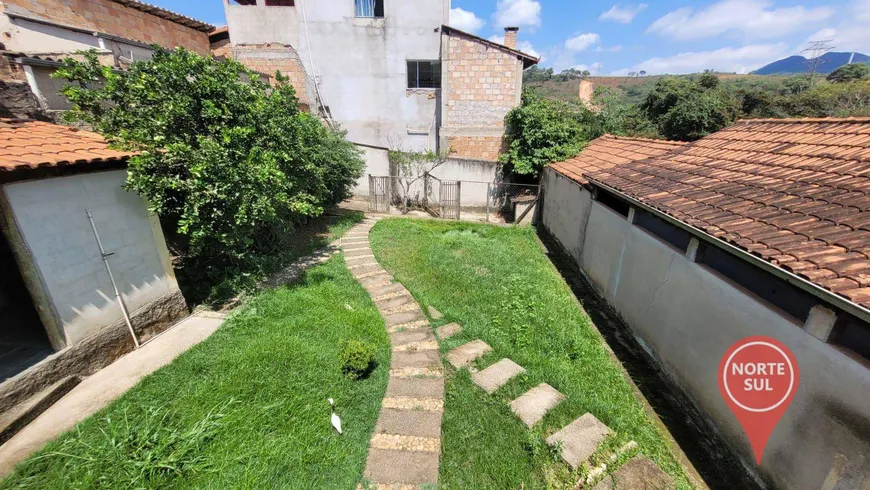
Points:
(247, 408)
(201, 289)
(497, 283)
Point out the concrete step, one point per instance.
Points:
(531, 406)
(416, 387)
(395, 302)
(465, 354)
(17, 418)
(405, 317)
(434, 314)
(446, 331)
(497, 375)
(580, 439)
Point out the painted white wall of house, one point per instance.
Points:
(362, 62)
(688, 315)
(377, 164)
(32, 37)
(50, 215)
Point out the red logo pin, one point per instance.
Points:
(758, 378)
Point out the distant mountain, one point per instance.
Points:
(798, 64)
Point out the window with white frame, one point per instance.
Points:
(369, 8)
(424, 74)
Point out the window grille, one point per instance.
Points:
(424, 74)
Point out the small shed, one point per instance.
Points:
(58, 312)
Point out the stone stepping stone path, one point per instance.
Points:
(446, 331)
(580, 439)
(497, 375)
(465, 354)
(405, 448)
(532, 405)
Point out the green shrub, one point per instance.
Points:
(541, 131)
(357, 359)
(229, 163)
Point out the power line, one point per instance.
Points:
(816, 50)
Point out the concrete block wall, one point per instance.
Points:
(687, 315)
(480, 84)
(270, 58)
(113, 18)
(50, 217)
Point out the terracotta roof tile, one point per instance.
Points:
(29, 145)
(795, 192)
(608, 151)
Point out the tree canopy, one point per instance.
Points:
(228, 161)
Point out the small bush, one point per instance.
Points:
(357, 359)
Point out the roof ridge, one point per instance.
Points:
(638, 138)
(493, 43)
(167, 14)
(804, 120)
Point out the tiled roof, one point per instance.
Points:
(27, 145)
(607, 151)
(167, 14)
(793, 192)
(528, 60)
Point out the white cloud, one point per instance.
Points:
(731, 59)
(524, 46)
(862, 10)
(849, 36)
(518, 13)
(749, 18)
(465, 20)
(594, 68)
(582, 42)
(623, 15)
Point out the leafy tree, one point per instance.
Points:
(694, 117)
(541, 131)
(849, 73)
(537, 74)
(684, 109)
(708, 80)
(611, 115)
(231, 163)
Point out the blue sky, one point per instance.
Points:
(662, 36)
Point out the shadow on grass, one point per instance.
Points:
(703, 445)
(218, 293)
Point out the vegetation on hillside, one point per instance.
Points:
(230, 164)
(553, 124)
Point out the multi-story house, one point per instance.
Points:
(391, 72)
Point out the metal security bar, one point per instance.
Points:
(369, 8)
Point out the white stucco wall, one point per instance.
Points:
(567, 205)
(377, 164)
(688, 315)
(474, 174)
(33, 37)
(361, 62)
(51, 217)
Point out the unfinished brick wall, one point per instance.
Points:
(481, 85)
(115, 19)
(478, 147)
(269, 58)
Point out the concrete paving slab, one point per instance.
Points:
(366, 269)
(405, 317)
(393, 288)
(417, 359)
(531, 406)
(409, 423)
(497, 375)
(640, 473)
(435, 314)
(463, 355)
(356, 251)
(100, 389)
(402, 338)
(416, 387)
(387, 466)
(446, 331)
(580, 439)
(379, 280)
(389, 304)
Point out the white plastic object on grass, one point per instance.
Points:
(336, 422)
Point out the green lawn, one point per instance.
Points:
(247, 408)
(498, 284)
